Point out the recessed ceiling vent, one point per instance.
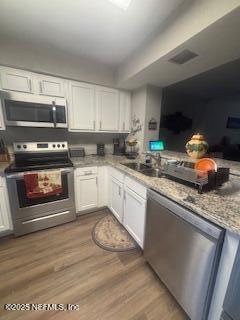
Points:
(183, 57)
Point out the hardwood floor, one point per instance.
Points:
(63, 265)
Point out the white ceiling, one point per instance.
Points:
(216, 45)
(97, 29)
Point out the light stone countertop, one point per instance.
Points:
(233, 165)
(221, 206)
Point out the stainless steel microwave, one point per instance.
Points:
(27, 110)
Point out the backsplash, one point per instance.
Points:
(86, 140)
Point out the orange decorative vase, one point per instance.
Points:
(197, 147)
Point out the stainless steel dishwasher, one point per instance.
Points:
(184, 251)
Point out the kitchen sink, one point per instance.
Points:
(144, 169)
(136, 166)
(152, 172)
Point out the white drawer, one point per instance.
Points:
(136, 187)
(116, 174)
(86, 171)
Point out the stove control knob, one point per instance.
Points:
(19, 146)
(58, 145)
(24, 146)
(54, 146)
(63, 145)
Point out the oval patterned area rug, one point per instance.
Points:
(110, 235)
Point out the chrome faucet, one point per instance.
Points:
(156, 157)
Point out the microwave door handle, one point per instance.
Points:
(54, 110)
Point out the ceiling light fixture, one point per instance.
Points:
(122, 4)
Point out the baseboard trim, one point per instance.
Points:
(90, 210)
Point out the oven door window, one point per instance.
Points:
(24, 201)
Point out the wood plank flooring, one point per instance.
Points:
(63, 265)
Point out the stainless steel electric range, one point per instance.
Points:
(30, 214)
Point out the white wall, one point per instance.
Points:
(51, 61)
(139, 99)
(153, 110)
(146, 104)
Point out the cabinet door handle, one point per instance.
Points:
(100, 125)
(119, 191)
(87, 173)
(40, 87)
(124, 126)
(30, 85)
(96, 180)
(94, 124)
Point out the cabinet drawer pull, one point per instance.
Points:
(87, 173)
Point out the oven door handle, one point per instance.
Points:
(68, 170)
(16, 176)
(19, 176)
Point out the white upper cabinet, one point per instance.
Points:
(16, 80)
(107, 109)
(50, 86)
(91, 108)
(125, 112)
(82, 108)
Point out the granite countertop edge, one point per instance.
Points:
(178, 193)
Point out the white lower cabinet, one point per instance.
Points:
(116, 198)
(106, 186)
(91, 188)
(86, 189)
(134, 215)
(5, 216)
(127, 201)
